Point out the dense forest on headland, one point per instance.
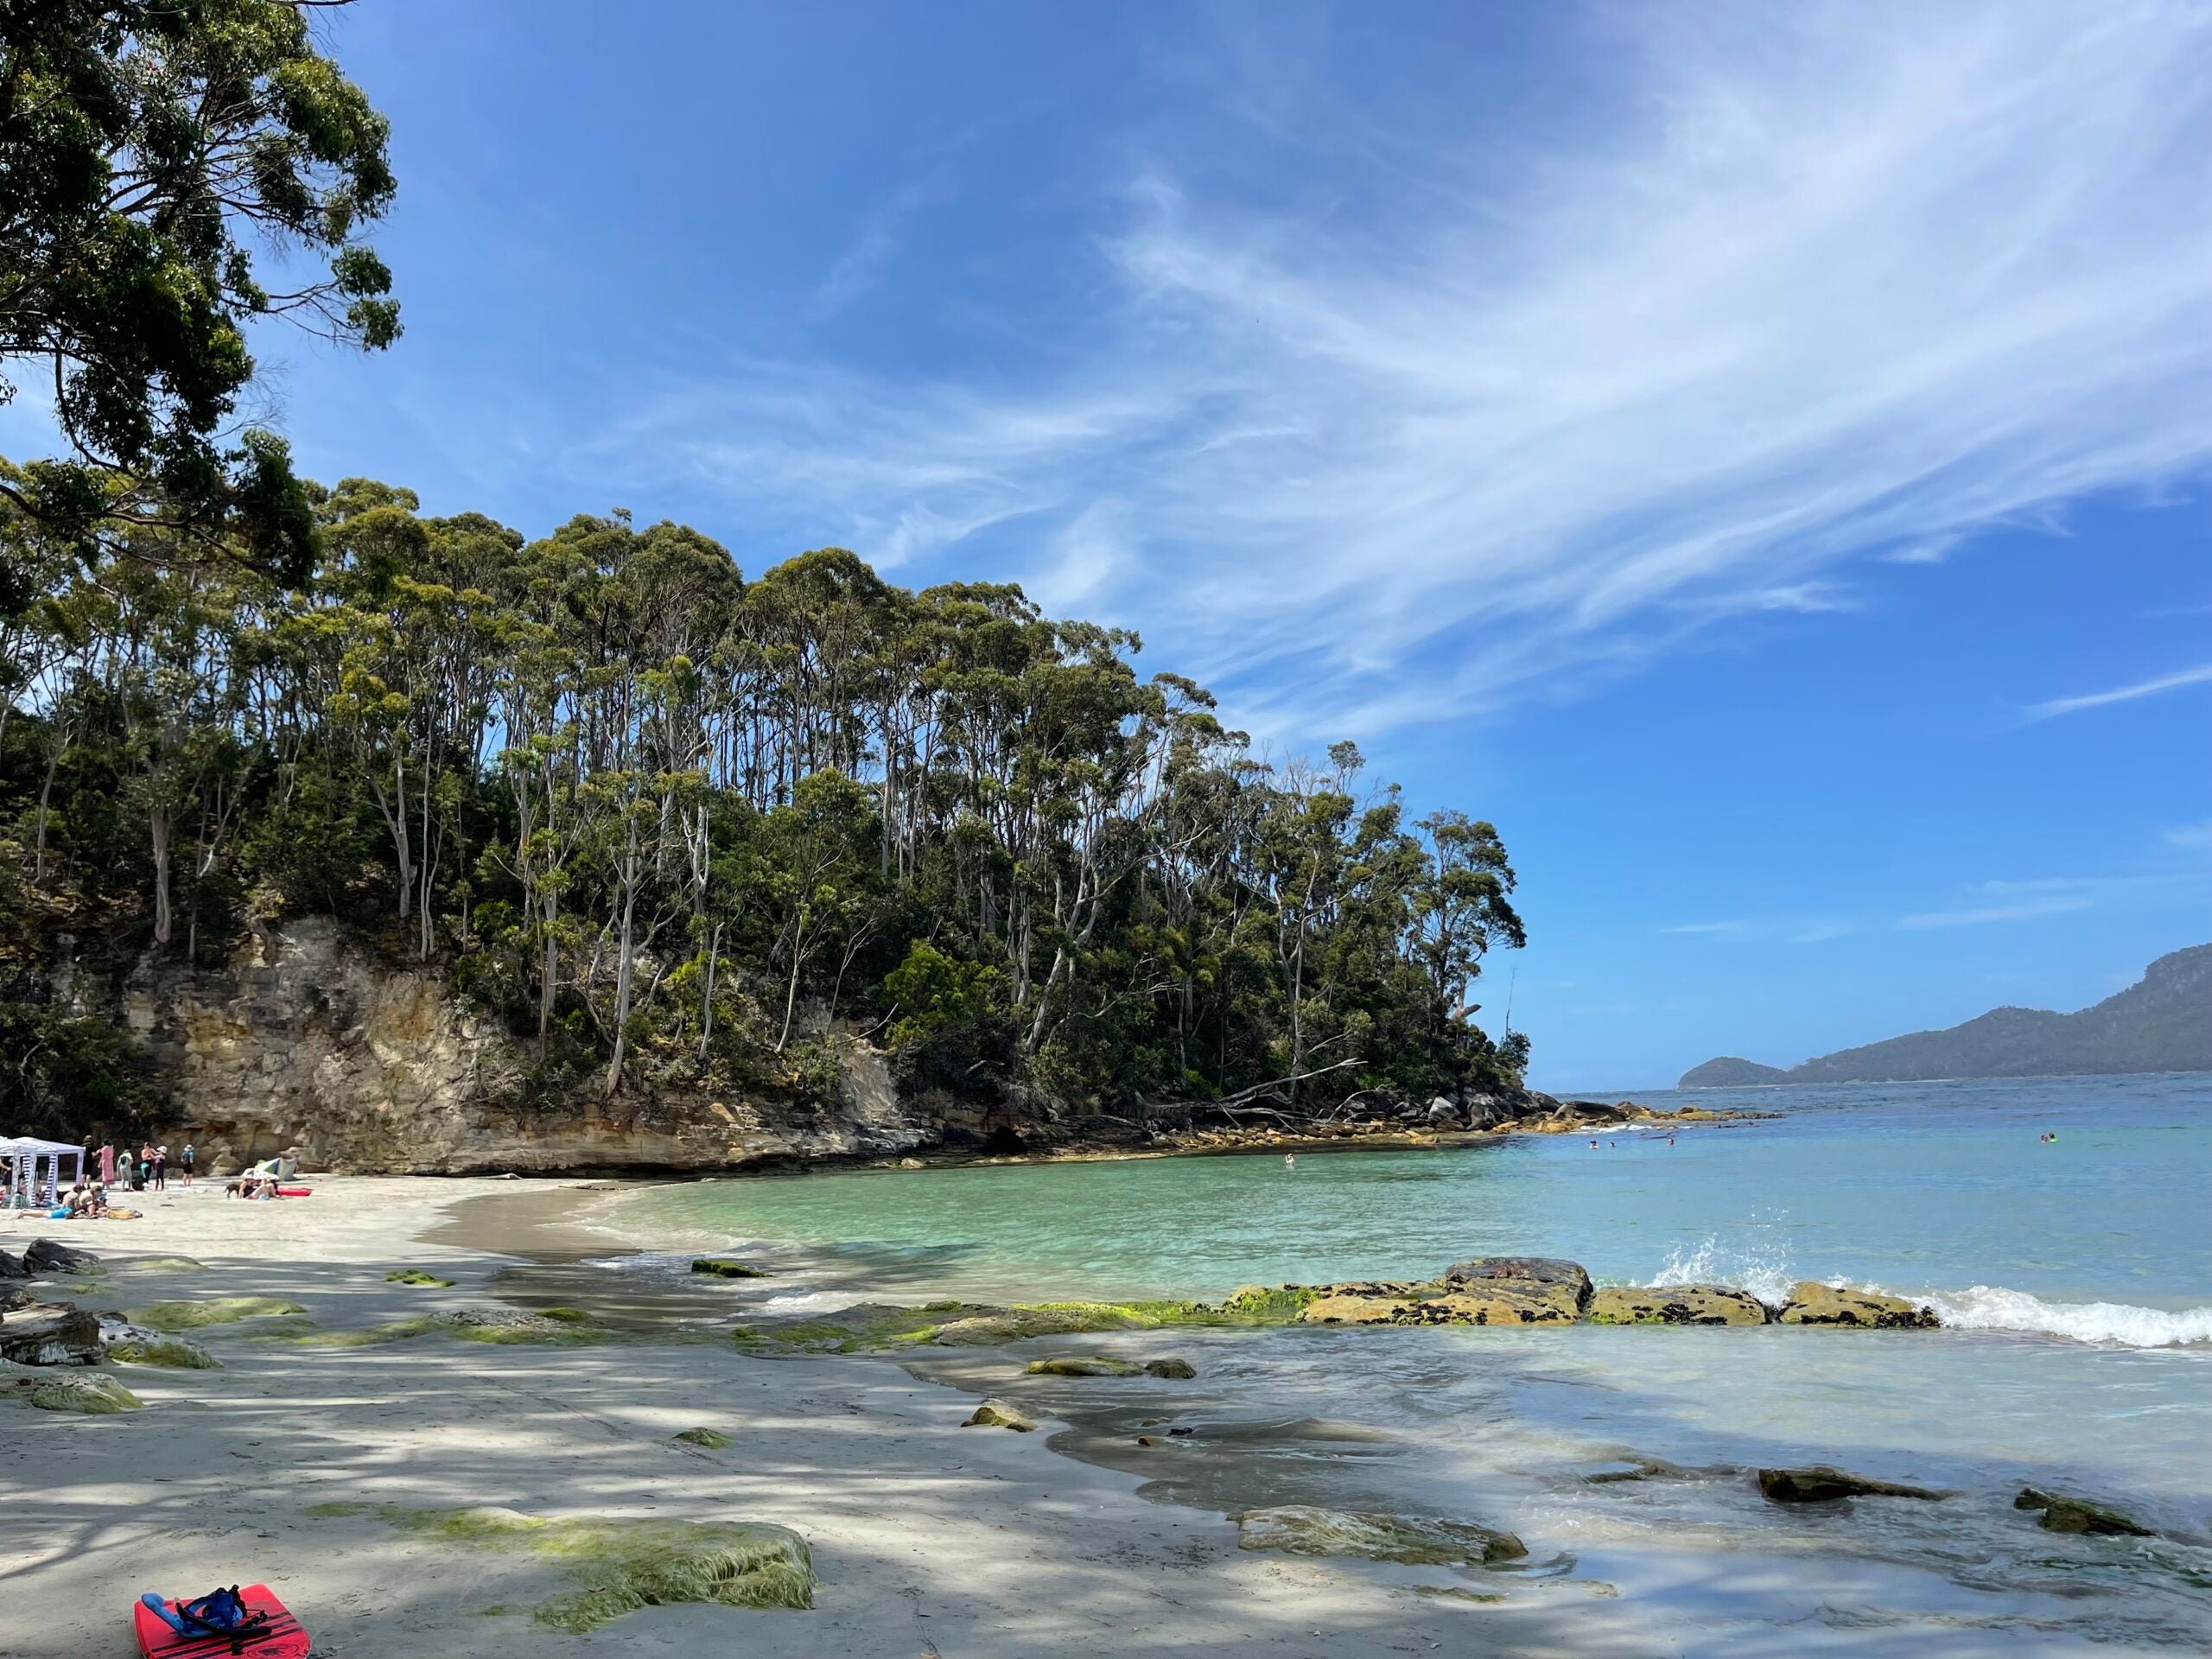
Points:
(666, 822)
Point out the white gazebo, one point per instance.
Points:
(33, 1168)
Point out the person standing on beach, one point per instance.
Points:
(107, 1163)
(161, 1169)
(185, 1163)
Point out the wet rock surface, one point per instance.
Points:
(1821, 1483)
(1813, 1303)
(1306, 1530)
(1675, 1305)
(2078, 1514)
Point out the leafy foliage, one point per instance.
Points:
(145, 147)
(671, 825)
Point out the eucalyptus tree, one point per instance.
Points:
(148, 149)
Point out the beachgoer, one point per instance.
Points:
(107, 1164)
(1290, 1160)
(1670, 1140)
(185, 1162)
(161, 1169)
(1593, 1146)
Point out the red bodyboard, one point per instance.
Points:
(280, 1638)
(295, 1191)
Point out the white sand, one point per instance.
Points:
(929, 1539)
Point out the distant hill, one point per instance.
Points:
(2161, 1023)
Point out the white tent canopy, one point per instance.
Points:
(33, 1168)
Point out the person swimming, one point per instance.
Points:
(1290, 1160)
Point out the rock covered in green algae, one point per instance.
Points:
(1176, 1370)
(173, 1353)
(723, 1267)
(417, 1276)
(1306, 1530)
(1813, 1303)
(2063, 1514)
(1001, 1414)
(1675, 1305)
(1082, 1365)
(172, 1317)
(627, 1563)
(566, 1326)
(712, 1438)
(947, 1325)
(1821, 1483)
(91, 1393)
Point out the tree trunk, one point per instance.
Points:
(158, 827)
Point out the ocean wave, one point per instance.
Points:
(1760, 1266)
(1993, 1308)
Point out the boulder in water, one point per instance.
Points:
(2063, 1513)
(1306, 1530)
(1675, 1305)
(1813, 1303)
(1083, 1365)
(723, 1267)
(1524, 1289)
(1821, 1483)
(1177, 1371)
(1001, 1414)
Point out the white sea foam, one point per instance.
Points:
(810, 1301)
(1993, 1308)
(1762, 1266)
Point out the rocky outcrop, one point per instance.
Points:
(311, 1045)
(1083, 1365)
(1675, 1305)
(1821, 1483)
(1813, 1303)
(44, 1256)
(1520, 1289)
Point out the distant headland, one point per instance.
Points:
(2161, 1023)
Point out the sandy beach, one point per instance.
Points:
(928, 1539)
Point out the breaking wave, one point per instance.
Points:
(1993, 1308)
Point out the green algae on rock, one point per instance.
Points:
(92, 1394)
(627, 1563)
(1675, 1305)
(723, 1267)
(417, 1276)
(1308, 1529)
(1001, 1414)
(1083, 1365)
(160, 1264)
(712, 1438)
(1176, 1370)
(501, 1326)
(172, 1352)
(172, 1317)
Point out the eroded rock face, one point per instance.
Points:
(310, 1045)
(1675, 1305)
(1813, 1303)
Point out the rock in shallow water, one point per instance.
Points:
(1821, 1483)
(1675, 1305)
(1001, 1414)
(1813, 1303)
(1521, 1289)
(1176, 1370)
(2063, 1513)
(1082, 1365)
(1305, 1529)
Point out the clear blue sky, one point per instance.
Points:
(1757, 456)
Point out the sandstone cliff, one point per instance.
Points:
(309, 1044)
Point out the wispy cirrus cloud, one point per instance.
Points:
(2201, 675)
(1790, 289)
(1983, 915)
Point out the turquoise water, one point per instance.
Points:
(2076, 1278)
(1920, 1188)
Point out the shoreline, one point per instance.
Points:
(925, 1536)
